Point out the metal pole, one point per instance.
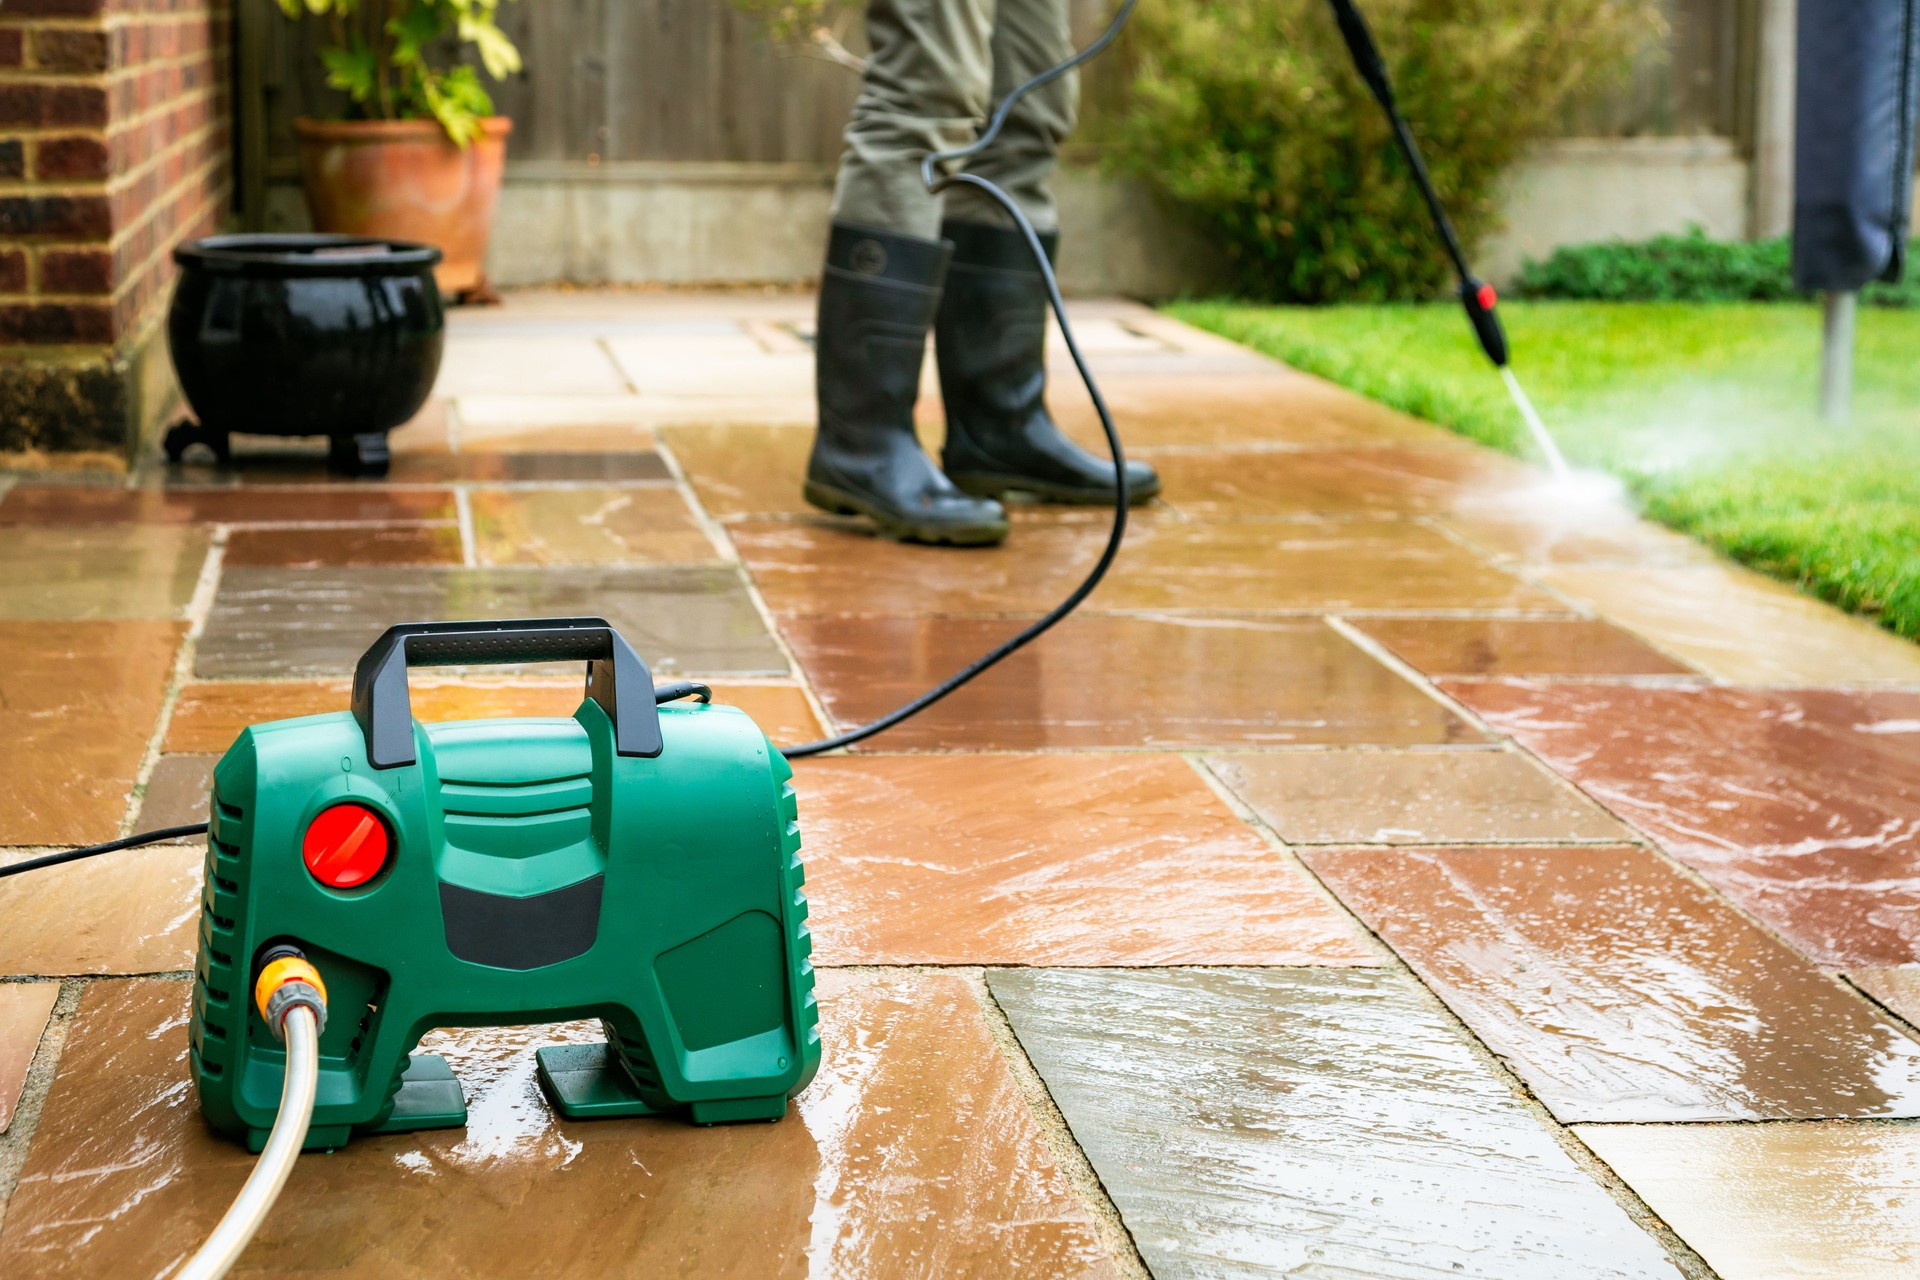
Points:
(1836, 354)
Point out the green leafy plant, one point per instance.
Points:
(1248, 114)
(393, 58)
(1684, 268)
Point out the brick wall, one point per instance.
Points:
(114, 147)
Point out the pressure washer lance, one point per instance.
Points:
(1477, 296)
(293, 1001)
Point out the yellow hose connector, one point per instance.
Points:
(278, 986)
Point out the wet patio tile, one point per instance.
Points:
(1897, 989)
(1213, 409)
(1411, 797)
(1829, 1201)
(177, 791)
(1518, 647)
(553, 463)
(1387, 480)
(342, 548)
(265, 504)
(317, 622)
(127, 571)
(743, 468)
(24, 1010)
(1309, 1122)
(513, 424)
(1049, 860)
(587, 526)
(913, 1153)
(1105, 681)
(1740, 627)
(209, 715)
(1165, 565)
(132, 912)
(78, 701)
(1621, 991)
(1801, 805)
(1579, 533)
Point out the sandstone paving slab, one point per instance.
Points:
(1166, 565)
(1740, 627)
(479, 363)
(913, 1153)
(1397, 480)
(741, 469)
(317, 622)
(78, 702)
(553, 461)
(1411, 797)
(83, 572)
(517, 424)
(1210, 409)
(1518, 647)
(24, 1010)
(699, 368)
(1111, 681)
(1049, 860)
(1820, 1201)
(1802, 805)
(1621, 991)
(342, 547)
(263, 504)
(178, 792)
(1294, 1122)
(131, 912)
(585, 526)
(1541, 530)
(1897, 989)
(209, 715)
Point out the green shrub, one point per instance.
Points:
(1249, 114)
(1688, 268)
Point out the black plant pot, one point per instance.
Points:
(304, 335)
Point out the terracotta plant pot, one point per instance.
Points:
(403, 180)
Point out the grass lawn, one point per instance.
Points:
(1705, 411)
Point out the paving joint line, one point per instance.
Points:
(14, 1143)
(1287, 858)
(1682, 1254)
(1110, 1226)
(717, 535)
(199, 608)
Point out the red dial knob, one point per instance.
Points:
(345, 846)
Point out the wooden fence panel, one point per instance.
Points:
(610, 81)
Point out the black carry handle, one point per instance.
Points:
(616, 677)
(1477, 297)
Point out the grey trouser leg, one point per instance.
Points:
(935, 69)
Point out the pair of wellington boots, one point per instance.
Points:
(981, 293)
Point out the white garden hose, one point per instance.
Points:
(294, 1004)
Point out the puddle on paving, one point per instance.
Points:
(913, 1152)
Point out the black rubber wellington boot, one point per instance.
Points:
(991, 342)
(877, 299)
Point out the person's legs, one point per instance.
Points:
(1028, 37)
(991, 332)
(925, 89)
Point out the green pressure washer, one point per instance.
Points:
(369, 877)
(637, 863)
